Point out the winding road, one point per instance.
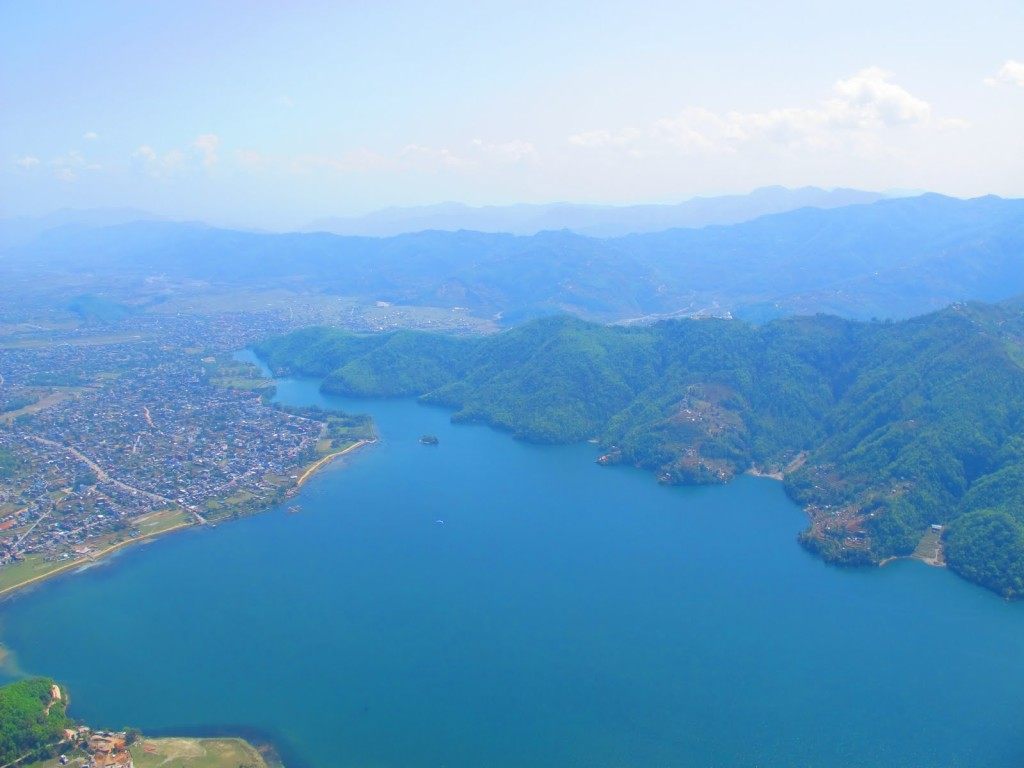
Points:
(105, 477)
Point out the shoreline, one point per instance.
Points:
(91, 559)
(103, 554)
(755, 472)
(325, 460)
(929, 561)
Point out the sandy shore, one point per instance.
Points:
(755, 472)
(92, 557)
(95, 557)
(935, 561)
(324, 461)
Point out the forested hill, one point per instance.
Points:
(32, 720)
(889, 259)
(881, 429)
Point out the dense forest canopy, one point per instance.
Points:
(31, 721)
(882, 430)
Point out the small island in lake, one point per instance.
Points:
(429, 440)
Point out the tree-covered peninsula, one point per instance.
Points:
(32, 720)
(883, 431)
(36, 732)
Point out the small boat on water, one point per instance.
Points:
(429, 440)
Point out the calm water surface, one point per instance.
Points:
(563, 614)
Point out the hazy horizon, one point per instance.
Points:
(452, 203)
(278, 116)
(511, 384)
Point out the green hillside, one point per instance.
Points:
(882, 429)
(31, 721)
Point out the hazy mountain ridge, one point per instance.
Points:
(894, 258)
(591, 220)
(20, 230)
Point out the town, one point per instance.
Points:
(110, 435)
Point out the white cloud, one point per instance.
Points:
(28, 161)
(869, 98)
(67, 167)
(249, 158)
(356, 160)
(513, 151)
(206, 144)
(419, 156)
(159, 165)
(202, 151)
(591, 139)
(859, 109)
(90, 135)
(1011, 73)
(477, 154)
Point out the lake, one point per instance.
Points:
(562, 614)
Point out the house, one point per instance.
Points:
(109, 750)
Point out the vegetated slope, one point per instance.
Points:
(882, 429)
(30, 720)
(893, 258)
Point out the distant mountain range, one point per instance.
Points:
(22, 229)
(889, 259)
(593, 220)
(523, 219)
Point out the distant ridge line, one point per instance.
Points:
(595, 220)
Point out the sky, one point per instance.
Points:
(271, 114)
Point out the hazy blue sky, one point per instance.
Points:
(276, 113)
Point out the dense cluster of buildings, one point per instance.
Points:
(122, 427)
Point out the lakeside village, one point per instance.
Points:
(107, 440)
(60, 741)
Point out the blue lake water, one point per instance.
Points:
(564, 614)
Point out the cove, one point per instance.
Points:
(563, 614)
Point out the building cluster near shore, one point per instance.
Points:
(119, 431)
(107, 749)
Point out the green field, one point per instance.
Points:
(32, 567)
(929, 548)
(35, 567)
(238, 382)
(180, 753)
(57, 395)
(160, 521)
(196, 753)
(82, 341)
(75, 758)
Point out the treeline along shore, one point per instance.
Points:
(36, 731)
(885, 432)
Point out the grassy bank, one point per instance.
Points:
(35, 568)
(180, 753)
(197, 753)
